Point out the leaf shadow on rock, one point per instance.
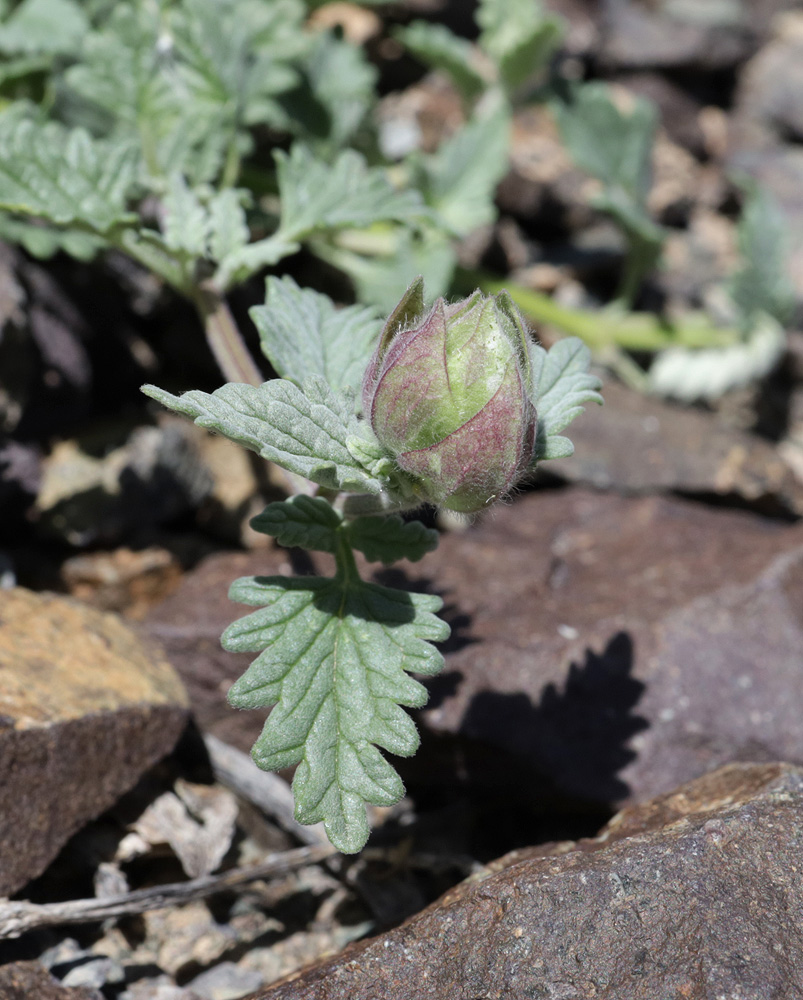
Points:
(579, 736)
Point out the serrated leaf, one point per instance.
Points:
(461, 178)
(306, 522)
(564, 386)
(335, 662)
(186, 222)
(690, 375)
(65, 176)
(438, 47)
(762, 283)
(303, 430)
(30, 27)
(389, 538)
(228, 230)
(317, 196)
(518, 37)
(302, 334)
(43, 242)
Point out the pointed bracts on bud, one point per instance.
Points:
(449, 393)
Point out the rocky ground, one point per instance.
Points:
(607, 801)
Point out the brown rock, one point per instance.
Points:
(692, 895)
(638, 444)
(85, 709)
(624, 646)
(616, 646)
(29, 980)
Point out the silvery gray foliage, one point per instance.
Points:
(335, 654)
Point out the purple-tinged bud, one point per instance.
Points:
(450, 395)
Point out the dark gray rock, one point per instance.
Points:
(696, 894)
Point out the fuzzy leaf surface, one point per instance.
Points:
(315, 195)
(564, 386)
(303, 430)
(389, 538)
(440, 48)
(334, 659)
(461, 178)
(303, 334)
(29, 28)
(762, 283)
(64, 176)
(306, 522)
(518, 36)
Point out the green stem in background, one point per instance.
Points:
(606, 327)
(640, 258)
(224, 338)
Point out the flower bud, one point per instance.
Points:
(450, 395)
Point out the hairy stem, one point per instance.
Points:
(224, 338)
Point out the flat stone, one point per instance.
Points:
(615, 646)
(86, 707)
(623, 646)
(27, 980)
(639, 444)
(695, 894)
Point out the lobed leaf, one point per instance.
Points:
(334, 659)
(303, 334)
(303, 521)
(389, 538)
(563, 387)
(318, 196)
(65, 176)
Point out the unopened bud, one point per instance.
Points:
(450, 395)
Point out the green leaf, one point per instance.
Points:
(564, 386)
(344, 82)
(51, 26)
(312, 523)
(43, 242)
(762, 284)
(383, 280)
(317, 196)
(335, 657)
(389, 538)
(303, 334)
(186, 222)
(228, 230)
(303, 430)
(65, 176)
(302, 521)
(438, 47)
(461, 178)
(611, 145)
(518, 37)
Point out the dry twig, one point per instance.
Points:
(17, 917)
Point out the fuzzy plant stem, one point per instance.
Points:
(224, 338)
